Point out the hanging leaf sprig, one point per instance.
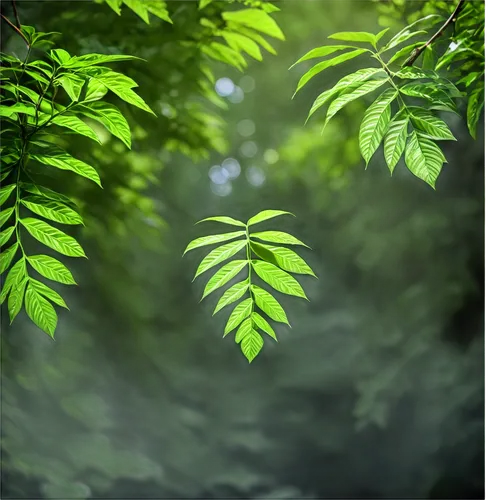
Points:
(269, 262)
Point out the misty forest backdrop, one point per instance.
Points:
(377, 390)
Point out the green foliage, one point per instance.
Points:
(272, 264)
(418, 93)
(41, 96)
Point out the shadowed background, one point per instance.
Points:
(377, 391)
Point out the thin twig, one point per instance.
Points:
(13, 26)
(14, 8)
(414, 56)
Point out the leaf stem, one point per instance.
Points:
(414, 56)
(249, 258)
(14, 27)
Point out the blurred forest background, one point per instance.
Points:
(378, 389)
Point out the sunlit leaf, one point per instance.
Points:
(214, 238)
(224, 220)
(278, 237)
(52, 210)
(251, 344)
(52, 237)
(263, 325)
(47, 292)
(7, 255)
(265, 215)
(64, 161)
(278, 279)
(424, 158)
(375, 123)
(40, 311)
(223, 275)
(283, 257)
(231, 295)
(52, 269)
(267, 303)
(327, 64)
(16, 298)
(395, 139)
(239, 313)
(218, 255)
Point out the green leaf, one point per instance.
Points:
(218, 255)
(74, 123)
(40, 311)
(348, 96)
(231, 295)
(95, 91)
(115, 5)
(239, 313)
(380, 35)
(52, 210)
(424, 158)
(321, 52)
(7, 255)
(15, 276)
(243, 330)
(223, 275)
(255, 19)
(278, 237)
(52, 269)
(5, 193)
(283, 257)
(46, 291)
(242, 43)
(210, 240)
(139, 8)
(269, 304)
(265, 215)
(5, 215)
(475, 105)
(5, 235)
(52, 237)
(72, 84)
(95, 59)
(16, 298)
(405, 51)
(263, 325)
(278, 279)
(158, 9)
(432, 126)
(375, 123)
(64, 161)
(256, 38)
(224, 220)
(109, 116)
(432, 92)
(358, 36)
(120, 85)
(412, 73)
(60, 56)
(251, 345)
(46, 193)
(327, 64)
(344, 83)
(395, 139)
(204, 3)
(402, 37)
(24, 109)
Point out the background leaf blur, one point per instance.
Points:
(382, 369)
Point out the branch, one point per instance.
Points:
(14, 8)
(414, 56)
(13, 26)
